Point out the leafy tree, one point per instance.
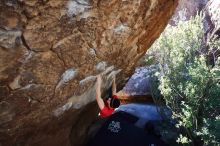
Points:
(188, 82)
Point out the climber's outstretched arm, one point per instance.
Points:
(113, 86)
(98, 93)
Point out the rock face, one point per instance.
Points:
(213, 11)
(51, 52)
(187, 9)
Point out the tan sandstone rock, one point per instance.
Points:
(51, 52)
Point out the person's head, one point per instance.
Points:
(113, 102)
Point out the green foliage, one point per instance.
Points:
(190, 86)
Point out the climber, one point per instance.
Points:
(112, 102)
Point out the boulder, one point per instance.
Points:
(51, 52)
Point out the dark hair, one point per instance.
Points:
(114, 103)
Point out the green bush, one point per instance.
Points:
(189, 85)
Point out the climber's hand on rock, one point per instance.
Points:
(99, 80)
(113, 78)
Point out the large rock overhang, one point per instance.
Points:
(51, 52)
